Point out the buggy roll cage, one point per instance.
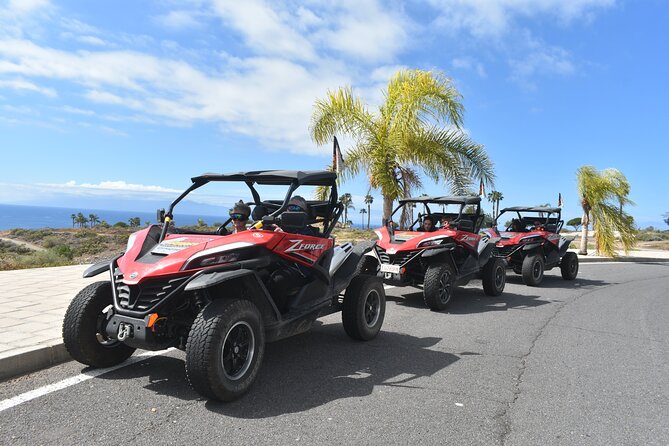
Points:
(446, 200)
(540, 210)
(291, 178)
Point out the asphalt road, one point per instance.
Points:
(574, 363)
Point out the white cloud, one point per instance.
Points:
(77, 111)
(20, 84)
(367, 31)
(179, 20)
(111, 186)
(545, 60)
(490, 18)
(469, 64)
(26, 6)
(92, 40)
(264, 29)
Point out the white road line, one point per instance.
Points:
(388, 287)
(32, 394)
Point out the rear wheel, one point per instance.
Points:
(84, 333)
(569, 266)
(533, 269)
(364, 308)
(225, 349)
(494, 277)
(438, 286)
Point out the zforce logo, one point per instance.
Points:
(467, 238)
(299, 245)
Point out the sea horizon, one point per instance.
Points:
(36, 217)
(18, 216)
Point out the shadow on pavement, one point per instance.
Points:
(324, 365)
(552, 281)
(473, 300)
(307, 371)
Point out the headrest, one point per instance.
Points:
(466, 225)
(294, 220)
(258, 212)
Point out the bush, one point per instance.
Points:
(64, 251)
(121, 224)
(652, 236)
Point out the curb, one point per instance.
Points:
(585, 259)
(33, 360)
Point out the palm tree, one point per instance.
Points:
(363, 211)
(495, 197)
(602, 196)
(418, 128)
(81, 220)
(368, 201)
(74, 219)
(93, 219)
(347, 201)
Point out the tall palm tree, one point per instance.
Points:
(495, 197)
(347, 201)
(74, 219)
(81, 220)
(418, 128)
(363, 211)
(93, 219)
(368, 201)
(602, 194)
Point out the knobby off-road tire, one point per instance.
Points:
(569, 266)
(364, 308)
(438, 286)
(83, 329)
(494, 277)
(533, 269)
(367, 265)
(225, 348)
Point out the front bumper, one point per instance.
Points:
(134, 332)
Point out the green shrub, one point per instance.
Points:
(64, 251)
(121, 224)
(9, 247)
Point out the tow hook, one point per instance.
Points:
(124, 331)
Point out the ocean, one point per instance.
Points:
(35, 217)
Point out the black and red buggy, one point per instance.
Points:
(221, 296)
(531, 243)
(448, 255)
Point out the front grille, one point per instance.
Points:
(145, 295)
(396, 259)
(506, 251)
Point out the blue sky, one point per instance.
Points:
(117, 104)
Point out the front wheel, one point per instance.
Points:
(438, 286)
(533, 269)
(569, 266)
(84, 333)
(225, 348)
(364, 308)
(494, 277)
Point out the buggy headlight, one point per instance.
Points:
(131, 241)
(431, 241)
(531, 239)
(218, 255)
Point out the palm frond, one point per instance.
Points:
(340, 112)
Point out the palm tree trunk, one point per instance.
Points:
(585, 221)
(369, 214)
(387, 208)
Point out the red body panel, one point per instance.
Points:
(514, 238)
(302, 249)
(413, 238)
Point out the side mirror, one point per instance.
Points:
(160, 215)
